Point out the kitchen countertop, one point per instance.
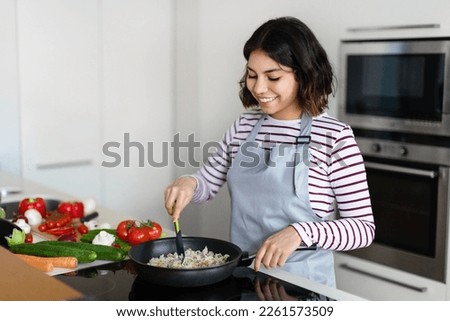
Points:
(14, 188)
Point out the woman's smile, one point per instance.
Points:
(266, 99)
(274, 86)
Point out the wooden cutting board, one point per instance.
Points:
(49, 237)
(21, 282)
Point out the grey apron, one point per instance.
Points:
(269, 191)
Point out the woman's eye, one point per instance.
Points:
(274, 78)
(251, 76)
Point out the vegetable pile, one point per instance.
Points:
(71, 242)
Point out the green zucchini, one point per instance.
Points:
(89, 237)
(91, 234)
(48, 250)
(104, 252)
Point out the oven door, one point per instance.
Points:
(410, 205)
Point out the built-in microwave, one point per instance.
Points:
(396, 85)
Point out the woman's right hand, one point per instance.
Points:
(178, 195)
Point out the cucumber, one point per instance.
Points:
(48, 250)
(89, 237)
(104, 252)
(91, 234)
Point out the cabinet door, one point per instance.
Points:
(9, 109)
(58, 78)
(377, 282)
(138, 91)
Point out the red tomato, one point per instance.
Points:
(29, 238)
(138, 235)
(50, 224)
(135, 232)
(42, 227)
(154, 230)
(123, 228)
(83, 229)
(74, 209)
(146, 231)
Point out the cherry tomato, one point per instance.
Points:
(83, 229)
(50, 224)
(42, 227)
(29, 238)
(74, 209)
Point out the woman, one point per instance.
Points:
(287, 163)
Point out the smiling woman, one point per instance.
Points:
(306, 162)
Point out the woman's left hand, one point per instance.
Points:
(276, 249)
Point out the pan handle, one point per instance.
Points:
(247, 258)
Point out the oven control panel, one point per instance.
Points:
(391, 149)
(404, 151)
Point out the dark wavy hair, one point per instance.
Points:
(291, 43)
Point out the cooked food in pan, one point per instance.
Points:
(194, 259)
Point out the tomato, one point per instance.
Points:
(137, 235)
(29, 238)
(50, 224)
(42, 227)
(83, 229)
(122, 229)
(74, 209)
(55, 220)
(135, 232)
(155, 230)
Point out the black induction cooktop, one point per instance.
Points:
(119, 282)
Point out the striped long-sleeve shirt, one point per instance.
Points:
(336, 177)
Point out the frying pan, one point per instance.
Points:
(141, 254)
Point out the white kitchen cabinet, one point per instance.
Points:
(392, 19)
(138, 102)
(91, 72)
(9, 102)
(377, 282)
(58, 63)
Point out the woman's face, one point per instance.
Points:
(274, 86)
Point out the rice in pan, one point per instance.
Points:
(194, 259)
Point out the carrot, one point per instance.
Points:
(67, 262)
(35, 261)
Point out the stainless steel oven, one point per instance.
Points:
(409, 188)
(398, 85)
(396, 96)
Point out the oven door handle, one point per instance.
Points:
(400, 169)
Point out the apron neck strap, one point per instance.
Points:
(305, 129)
